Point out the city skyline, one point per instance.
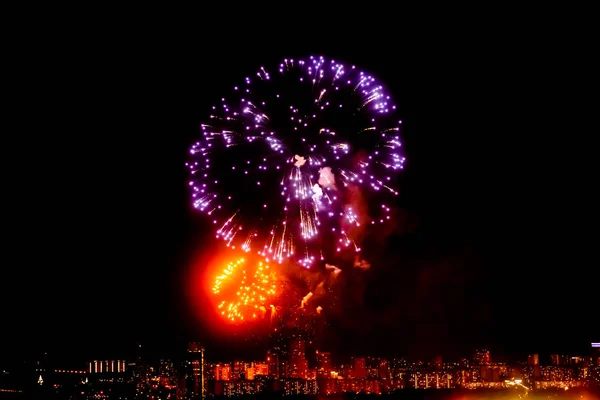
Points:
(292, 367)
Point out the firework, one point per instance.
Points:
(245, 290)
(282, 163)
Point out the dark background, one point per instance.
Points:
(498, 213)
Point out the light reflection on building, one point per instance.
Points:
(106, 366)
(431, 380)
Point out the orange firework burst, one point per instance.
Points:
(244, 292)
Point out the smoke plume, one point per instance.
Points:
(326, 178)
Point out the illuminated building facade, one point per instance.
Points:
(106, 366)
(195, 377)
(222, 372)
(238, 388)
(274, 364)
(558, 359)
(261, 369)
(239, 370)
(167, 376)
(489, 373)
(298, 367)
(293, 387)
(324, 364)
(533, 359)
(372, 367)
(384, 370)
(482, 357)
(249, 373)
(431, 380)
(359, 368)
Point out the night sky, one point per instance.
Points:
(497, 219)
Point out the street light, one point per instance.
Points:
(516, 382)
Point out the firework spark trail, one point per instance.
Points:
(244, 290)
(275, 166)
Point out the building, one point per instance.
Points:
(194, 377)
(294, 387)
(106, 366)
(261, 369)
(239, 370)
(167, 375)
(274, 365)
(359, 367)
(324, 364)
(431, 380)
(223, 372)
(482, 357)
(596, 353)
(298, 367)
(238, 388)
(558, 359)
(384, 370)
(249, 373)
(533, 359)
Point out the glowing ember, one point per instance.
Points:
(245, 291)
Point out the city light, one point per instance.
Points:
(293, 365)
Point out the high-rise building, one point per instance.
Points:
(274, 365)
(359, 367)
(324, 364)
(223, 372)
(533, 359)
(261, 369)
(167, 374)
(249, 372)
(195, 382)
(559, 359)
(482, 357)
(298, 363)
(284, 368)
(596, 353)
(384, 369)
(239, 370)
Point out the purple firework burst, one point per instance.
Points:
(282, 163)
